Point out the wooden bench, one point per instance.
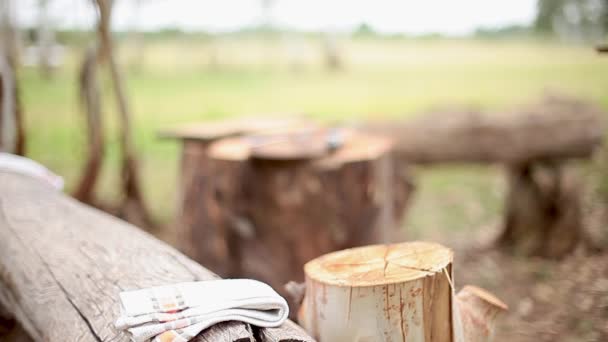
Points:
(62, 265)
(535, 143)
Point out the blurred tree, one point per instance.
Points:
(12, 133)
(45, 38)
(9, 35)
(364, 30)
(331, 51)
(132, 207)
(573, 19)
(90, 100)
(546, 11)
(603, 16)
(137, 39)
(267, 5)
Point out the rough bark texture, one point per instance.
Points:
(195, 194)
(554, 129)
(269, 217)
(543, 212)
(195, 184)
(400, 292)
(62, 265)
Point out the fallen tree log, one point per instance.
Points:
(542, 211)
(554, 129)
(62, 265)
(399, 292)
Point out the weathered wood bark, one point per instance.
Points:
(269, 217)
(543, 211)
(400, 292)
(556, 128)
(195, 183)
(62, 265)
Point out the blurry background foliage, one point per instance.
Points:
(176, 77)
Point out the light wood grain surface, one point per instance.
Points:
(62, 265)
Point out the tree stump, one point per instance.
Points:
(273, 208)
(195, 183)
(543, 213)
(399, 292)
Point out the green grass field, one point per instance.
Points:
(176, 83)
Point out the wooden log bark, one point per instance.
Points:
(275, 215)
(542, 211)
(399, 292)
(556, 128)
(195, 187)
(62, 265)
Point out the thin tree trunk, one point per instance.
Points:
(45, 39)
(133, 207)
(90, 99)
(12, 134)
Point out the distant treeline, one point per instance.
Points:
(574, 20)
(75, 36)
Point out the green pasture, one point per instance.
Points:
(177, 81)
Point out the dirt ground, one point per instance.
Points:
(563, 300)
(549, 300)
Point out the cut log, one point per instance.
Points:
(399, 292)
(556, 128)
(384, 292)
(63, 264)
(270, 216)
(211, 131)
